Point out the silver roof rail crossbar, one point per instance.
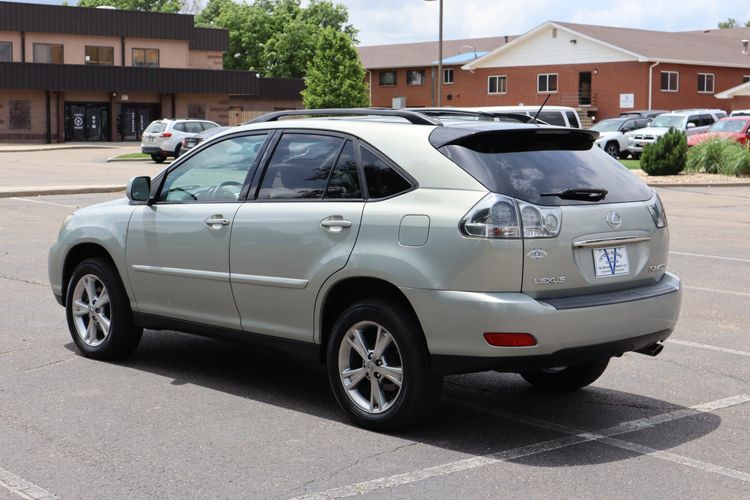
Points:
(520, 117)
(410, 116)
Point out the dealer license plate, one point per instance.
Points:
(611, 262)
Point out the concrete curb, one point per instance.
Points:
(31, 149)
(116, 159)
(51, 190)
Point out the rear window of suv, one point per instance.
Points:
(526, 164)
(156, 127)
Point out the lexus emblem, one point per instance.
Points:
(614, 219)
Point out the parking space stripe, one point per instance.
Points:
(43, 202)
(524, 451)
(23, 488)
(716, 257)
(716, 290)
(709, 347)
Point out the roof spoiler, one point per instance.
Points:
(517, 139)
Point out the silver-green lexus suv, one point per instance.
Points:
(393, 248)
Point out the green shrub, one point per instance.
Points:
(719, 155)
(667, 156)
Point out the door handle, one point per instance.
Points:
(216, 221)
(335, 223)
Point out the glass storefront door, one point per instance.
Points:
(86, 122)
(135, 118)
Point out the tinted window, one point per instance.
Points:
(572, 119)
(552, 117)
(525, 165)
(706, 120)
(215, 174)
(300, 166)
(344, 180)
(193, 127)
(156, 128)
(180, 127)
(208, 125)
(382, 180)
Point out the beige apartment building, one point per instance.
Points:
(83, 74)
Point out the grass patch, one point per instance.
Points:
(631, 164)
(133, 156)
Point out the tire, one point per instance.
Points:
(612, 149)
(87, 317)
(403, 357)
(566, 379)
(158, 158)
(636, 156)
(177, 151)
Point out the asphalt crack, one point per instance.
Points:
(19, 280)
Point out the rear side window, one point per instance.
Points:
(527, 164)
(207, 125)
(552, 117)
(300, 167)
(573, 119)
(180, 127)
(156, 128)
(382, 180)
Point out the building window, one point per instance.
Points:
(19, 115)
(104, 56)
(148, 58)
(6, 52)
(670, 81)
(448, 76)
(415, 77)
(48, 53)
(197, 111)
(745, 78)
(705, 83)
(546, 82)
(497, 84)
(388, 78)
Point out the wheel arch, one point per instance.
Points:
(345, 292)
(78, 254)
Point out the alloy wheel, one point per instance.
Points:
(92, 311)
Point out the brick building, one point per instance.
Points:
(601, 71)
(83, 74)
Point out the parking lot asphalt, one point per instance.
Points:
(190, 417)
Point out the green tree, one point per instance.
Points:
(335, 76)
(172, 6)
(732, 23)
(275, 37)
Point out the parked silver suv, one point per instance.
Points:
(394, 253)
(163, 138)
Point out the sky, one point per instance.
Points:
(400, 21)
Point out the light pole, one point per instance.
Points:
(440, 56)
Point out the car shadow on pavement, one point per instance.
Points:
(478, 414)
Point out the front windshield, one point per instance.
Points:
(669, 121)
(728, 126)
(611, 125)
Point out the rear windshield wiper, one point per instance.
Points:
(582, 194)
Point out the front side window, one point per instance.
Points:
(6, 52)
(670, 81)
(215, 174)
(388, 78)
(48, 53)
(382, 180)
(415, 77)
(497, 84)
(448, 76)
(104, 56)
(546, 82)
(300, 167)
(706, 83)
(147, 58)
(344, 180)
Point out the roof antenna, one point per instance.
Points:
(542, 106)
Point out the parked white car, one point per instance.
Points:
(561, 116)
(163, 138)
(612, 138)
(690, 122)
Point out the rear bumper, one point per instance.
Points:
(153, 150)
(581, 329)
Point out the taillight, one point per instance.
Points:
(165, 134)
(657, 210)
(498, 216)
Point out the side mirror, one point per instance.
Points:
(139, 189)
(691, 125)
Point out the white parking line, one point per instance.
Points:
(716, 257)
(23, 488)
(524, 451)
(716, 290)
(43, 202)
(709, 347)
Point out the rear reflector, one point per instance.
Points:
(510, 339)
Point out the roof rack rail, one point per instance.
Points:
(519, 117)
(410, 116)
